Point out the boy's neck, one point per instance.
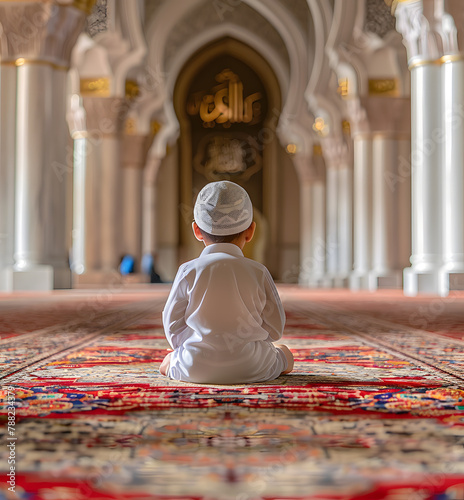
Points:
(237, 243)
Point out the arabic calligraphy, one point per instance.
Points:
(221, 156)
(226, 105)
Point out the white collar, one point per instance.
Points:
(229, 248)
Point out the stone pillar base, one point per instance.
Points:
(135, 279)
(315, 282)
(358, 281)
(303, 279)
(38, 279)
(377, 280)
(102, 279)
(5, 281)
(62, 278)
(450, 279)
(327, 282)
(418, 282)
(341, 282)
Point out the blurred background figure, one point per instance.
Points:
(148, 268)
(127, 265)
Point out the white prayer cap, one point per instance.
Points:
(223, 208)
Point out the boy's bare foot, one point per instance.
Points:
(164, 366)
(289, 356)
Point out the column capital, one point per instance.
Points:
(380, 115)
(429, 32)
(306, 169)
(41, 31)
(359, 122)
(105, 64)
(417, 33)
(335, 152)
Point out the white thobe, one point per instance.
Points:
(221, 317)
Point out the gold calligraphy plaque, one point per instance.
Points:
(383, 86)
(227, 103)
(95, 87)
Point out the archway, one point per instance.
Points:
(243, 148)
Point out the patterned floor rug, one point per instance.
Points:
(373, 410)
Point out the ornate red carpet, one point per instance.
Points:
(374, 409)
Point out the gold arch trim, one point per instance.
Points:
(423, 62)
(26, 62)
(451, 58)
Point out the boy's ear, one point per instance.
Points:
(196, 231)
(250, 232)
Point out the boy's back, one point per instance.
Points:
(221, 305)
(224, 312)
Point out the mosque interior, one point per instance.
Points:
(344, 121)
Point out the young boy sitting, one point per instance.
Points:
(224, 312)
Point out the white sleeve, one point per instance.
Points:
(273, 313)
(174, 310)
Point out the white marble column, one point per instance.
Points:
(78, 264)
(105, 66)
(104, 193)
(338, 211)
(451, 274)
(332, 210)
(7, 168)
(305, 229)
(385, 216)
(39, 55)
(422, 23)
(426, 177)
(345, 224)
(313, 248)
(77, 126)
(92, 204)
(132, 217)
(41, 256)
(403, 204)
(149, 238)
(111, 207)
(134, 156)
(312, 219)
(362, 212)
(315, 268)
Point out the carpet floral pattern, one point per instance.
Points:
(373, 410)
